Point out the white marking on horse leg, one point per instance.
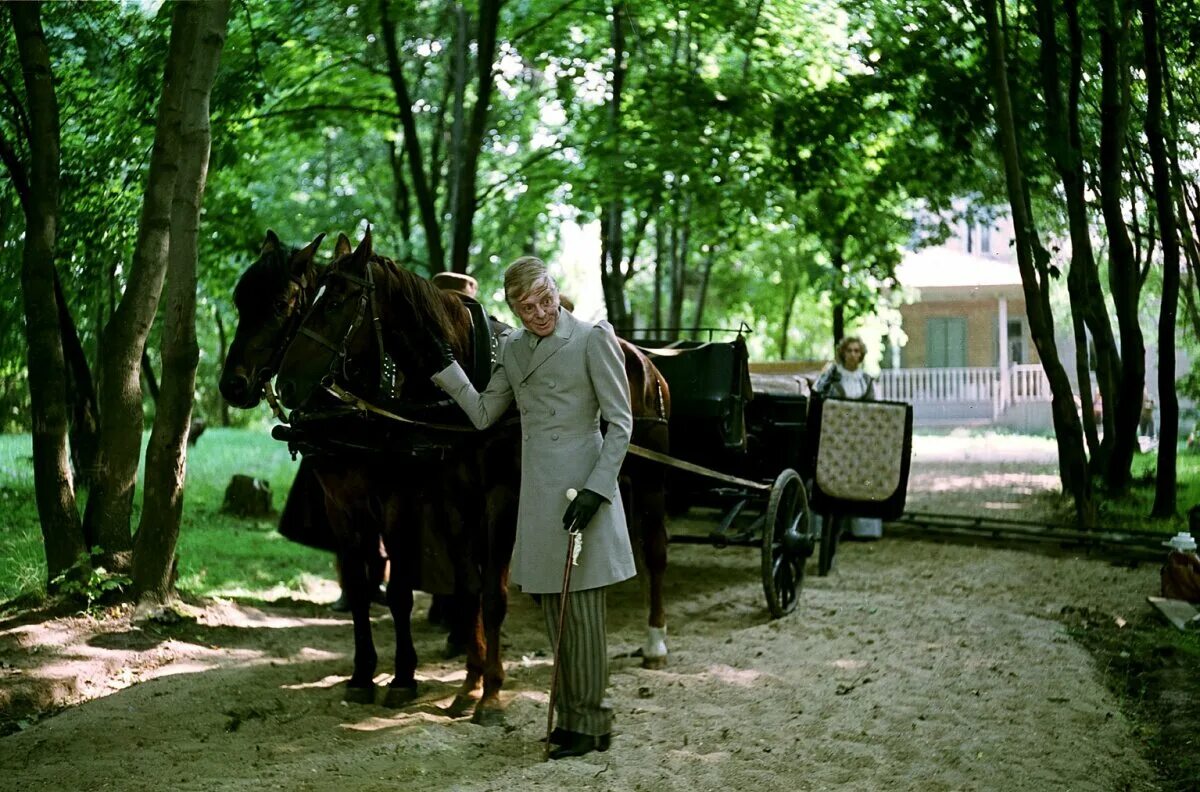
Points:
(656, 642)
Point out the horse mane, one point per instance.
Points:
(431, 308)
(267, 277)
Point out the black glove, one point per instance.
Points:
(445, 353)
(581, 510)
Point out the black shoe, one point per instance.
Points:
(559, 736)
(581, 744)
(341, 604)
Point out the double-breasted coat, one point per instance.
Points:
(563, 384)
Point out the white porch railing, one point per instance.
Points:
(1025, 383)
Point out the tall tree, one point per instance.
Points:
(1032, 259)
(1123, 271)
(107, 518)
(166, 454)
(1065, 144)
(1164, 202)
(38, 188)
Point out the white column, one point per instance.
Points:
(1002, 312)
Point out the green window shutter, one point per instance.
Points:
(946, 342)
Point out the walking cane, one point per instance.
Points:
(574, 546)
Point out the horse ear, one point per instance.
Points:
(363, 251)
(271, 244)
(342, 247)
(301, 262)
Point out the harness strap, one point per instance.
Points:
(347, 397)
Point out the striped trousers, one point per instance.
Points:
(582, 704)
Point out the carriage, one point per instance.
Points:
(741, 453)
(752, 457)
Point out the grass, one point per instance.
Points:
(219, 555)
(1132, 510)
(1152, 670)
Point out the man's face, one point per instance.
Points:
(538, 310)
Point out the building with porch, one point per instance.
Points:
(969, 358)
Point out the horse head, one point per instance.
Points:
(372, 329)
(271, 297)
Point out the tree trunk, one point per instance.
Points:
(464, 215)
(111, 499)
(84, 422)
(1123, 273)
(702, 288)
(148, 375)
(612, 221)
(1065, 143)
(1168, 434)
(786, 324)
(222, 350)
(660, 255)
(412, 146)
(54, 488)
(166, 454)
(839, 303)
(458, 85)
(1066, 422)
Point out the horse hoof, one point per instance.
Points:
(359, 695)
(460, 706)
(654, 663)
(399, 696)
(488, 716)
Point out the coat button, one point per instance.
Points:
(550, 384)
(524, 411)
(526, 437)
(553, 437)
(553, 411)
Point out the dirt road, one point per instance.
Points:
(915, 666)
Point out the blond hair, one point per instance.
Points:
(524, 276)
(839, 352)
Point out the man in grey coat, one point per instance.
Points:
(565, 376)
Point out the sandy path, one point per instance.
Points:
(915, 666)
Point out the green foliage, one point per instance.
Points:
(87, 581)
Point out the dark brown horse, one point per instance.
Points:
(272, 297)
(340, 345)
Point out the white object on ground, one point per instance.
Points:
(1182, 541)
(656, 642)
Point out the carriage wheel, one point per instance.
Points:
(831, 528)
(787, 542)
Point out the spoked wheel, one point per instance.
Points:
(831, 528)
(787, 542)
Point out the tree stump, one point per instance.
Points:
(247, 496)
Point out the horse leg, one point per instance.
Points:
(361, 687)
(466, 623)
(501, 534)
(403, 688)
(649, 509)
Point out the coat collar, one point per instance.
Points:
(532, 352)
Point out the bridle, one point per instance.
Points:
(391, 379)
(264, 374)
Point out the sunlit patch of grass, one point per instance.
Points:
(218, 553)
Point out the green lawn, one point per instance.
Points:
(218, 554)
